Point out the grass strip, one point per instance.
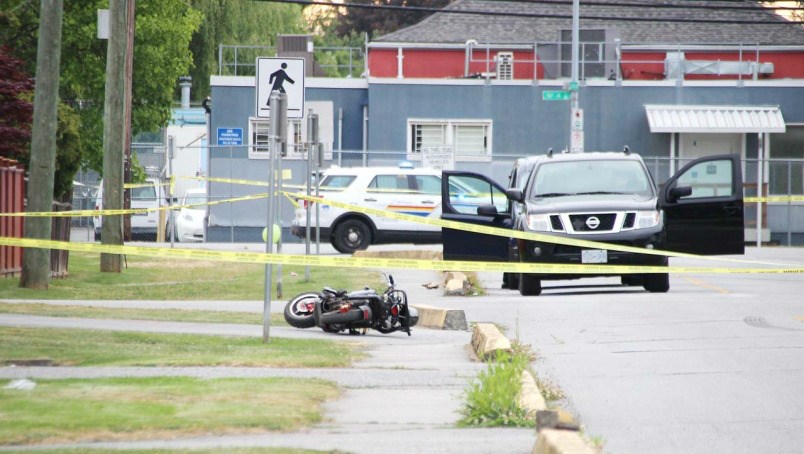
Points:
(492, 399)
(229, 450)
(59, 411)
(170, 315)
(156, 278)
(78, 347)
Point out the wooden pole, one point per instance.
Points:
(42, 168)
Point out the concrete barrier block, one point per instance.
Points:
(487, 341)
(438, 318)
(530, 398)
(455, 283)
(553, 441)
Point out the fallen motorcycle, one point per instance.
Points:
(335, 311)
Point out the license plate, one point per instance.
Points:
(594, 256)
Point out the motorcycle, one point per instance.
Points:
(335, 311)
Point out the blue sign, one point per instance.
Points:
(232, 137)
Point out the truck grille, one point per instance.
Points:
(604, 222)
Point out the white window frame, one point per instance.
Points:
(449, 139)
(297, 130)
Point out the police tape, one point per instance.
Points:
(381, 263)
(775, 198)
(779, 198)
(96, 213)
(496, 231)
(509, 233)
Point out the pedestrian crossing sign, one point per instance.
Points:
(282, 75)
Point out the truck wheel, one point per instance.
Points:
(657, 283)
(351, 235)
(511, 281)
(530, 285)
(632, 280)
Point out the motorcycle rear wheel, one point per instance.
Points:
(295, 310)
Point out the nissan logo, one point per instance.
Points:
(592, 222)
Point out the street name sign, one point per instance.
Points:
(556, 95)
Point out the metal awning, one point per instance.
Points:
(714, 119)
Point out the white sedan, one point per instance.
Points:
(190, 220)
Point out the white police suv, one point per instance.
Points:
(401, 190)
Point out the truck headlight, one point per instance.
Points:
(539, 222)
(647, 219)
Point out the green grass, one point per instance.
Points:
(155, 278)
(229, 450)
(161, 407)
(74, 347)
(172, 315)
(492, 398)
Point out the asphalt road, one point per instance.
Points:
(713, 366)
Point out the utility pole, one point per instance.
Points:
(36, 262)
(576, 114)
(130, 12)
(113, 134)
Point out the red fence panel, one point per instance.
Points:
(12, 200)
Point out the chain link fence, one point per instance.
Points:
(230, 169)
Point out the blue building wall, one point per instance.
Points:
(232, 107)
(523, 124)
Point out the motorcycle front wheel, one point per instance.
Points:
(299, 310)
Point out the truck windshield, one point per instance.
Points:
(570, 178)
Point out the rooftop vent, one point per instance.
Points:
(505, 65)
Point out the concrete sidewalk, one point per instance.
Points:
(405, 396)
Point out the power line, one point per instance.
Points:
(739, 5)
(424, 9)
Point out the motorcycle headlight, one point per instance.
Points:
(647, 219)
(539, 222)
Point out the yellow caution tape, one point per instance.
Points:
(381, 263)
(143, 185)
(95, 213)
(775, 198)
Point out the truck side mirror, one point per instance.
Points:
(679, 192)
(487, 210)
(515, 195)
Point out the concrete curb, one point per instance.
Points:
(553, 441)
(487, 340)
(530, 398)
(455, 283)
(437, 318)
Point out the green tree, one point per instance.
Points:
(237, 22)
(161, 55)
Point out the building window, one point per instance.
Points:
(786, 166)
(592, 56)
(471, 139)
(259, 136)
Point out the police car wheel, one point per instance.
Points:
(351, 235)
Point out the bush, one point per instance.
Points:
(492, 399)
